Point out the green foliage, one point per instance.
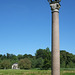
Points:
(33, 62)
(24, 63)
(63, 59)
(41, 60)
(46, 64)
(45, 54)
(67, 60)
(20, 56)
(5, 64)
(39, 63)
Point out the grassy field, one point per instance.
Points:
(34, 72)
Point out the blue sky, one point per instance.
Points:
(25, 26)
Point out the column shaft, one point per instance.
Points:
(55, 44)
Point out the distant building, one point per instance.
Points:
(15, 66)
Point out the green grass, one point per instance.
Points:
(69, 74)
(25, 72)
(34, 72)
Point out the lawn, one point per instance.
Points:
(34, 72)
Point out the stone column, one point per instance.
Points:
(55, 39)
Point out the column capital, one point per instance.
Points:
(55, 7)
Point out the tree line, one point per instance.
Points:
(41, 60)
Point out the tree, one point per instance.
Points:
(45, 54)
(33, 62)
(25, 63)
(8, 56)
(67, 59)
(20, 56)
(3, 57)
(27, 56)
(40, 53)
(5, 64)
(63, 59)
(39, 63)
(46, 64)
(0, 55)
